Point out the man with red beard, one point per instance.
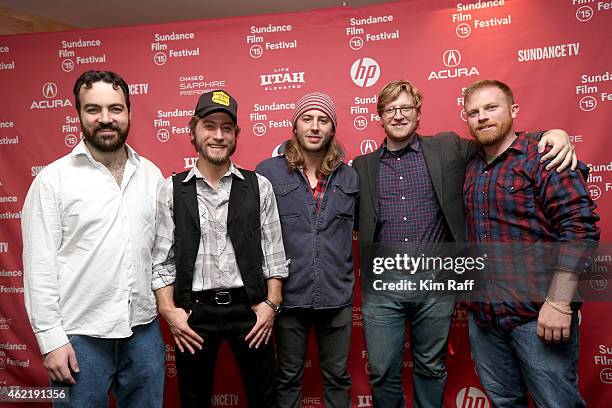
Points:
(523, 340)
(87, 239)
(410, 201)
(219, 260)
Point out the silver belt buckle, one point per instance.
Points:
(223, 298)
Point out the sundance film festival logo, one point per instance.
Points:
(606, 375)
(365, 72)
(368, 146)
(472, 397)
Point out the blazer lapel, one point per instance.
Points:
(433, 157)
(372, 164)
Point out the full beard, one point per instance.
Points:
(216, 159)
(102, 144)
(492, 136)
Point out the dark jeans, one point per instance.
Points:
(333, 330)
(215, 324)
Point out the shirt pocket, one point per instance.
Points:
(515, 197)
(288, 202)
(344, 197)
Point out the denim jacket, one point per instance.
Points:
(318, 245)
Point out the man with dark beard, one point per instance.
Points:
(219, 260)
(87, 239)
(524, 329)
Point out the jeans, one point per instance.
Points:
(385, 332)
(132, 368)
(332, 328)
(509, 364)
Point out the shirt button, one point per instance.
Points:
(486, 171)
(483, 192)
(404, 218)
(483, 215)
(403, 197)
(405, 239)
(401, 178)
(398, 159)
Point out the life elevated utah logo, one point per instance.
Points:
(281, 79)
(452, 61)
(49, 92)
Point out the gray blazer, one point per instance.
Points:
(446, 155)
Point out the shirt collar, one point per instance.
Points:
(520, 145)
(81, 149)
(195, 172)
(414, 145)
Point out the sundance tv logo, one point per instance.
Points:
(365, 72)
(49, 92)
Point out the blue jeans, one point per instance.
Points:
(385, 332)
(509, 364)
(132, 368)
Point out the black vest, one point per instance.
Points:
(243, 227)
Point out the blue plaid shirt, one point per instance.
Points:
(408, 207)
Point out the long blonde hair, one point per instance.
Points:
(331, 159)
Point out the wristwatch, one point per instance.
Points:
(277, 308)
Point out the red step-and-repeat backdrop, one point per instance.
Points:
(555, 54)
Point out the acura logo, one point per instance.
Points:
(451, 58)
(368, 146)
(49, 90)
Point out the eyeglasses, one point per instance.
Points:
(405, 110)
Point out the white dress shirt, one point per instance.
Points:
(215, 264)
(87, 248)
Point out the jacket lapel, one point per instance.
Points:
(372, 164)
(433, 159)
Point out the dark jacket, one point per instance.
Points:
(446, 155)
(319, 246)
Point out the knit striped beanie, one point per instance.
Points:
(314, 100)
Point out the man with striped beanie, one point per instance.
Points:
(316, 193)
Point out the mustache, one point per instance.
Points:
(106, 126)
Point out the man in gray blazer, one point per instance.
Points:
(411, 193)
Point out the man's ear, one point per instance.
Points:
(514, 109)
